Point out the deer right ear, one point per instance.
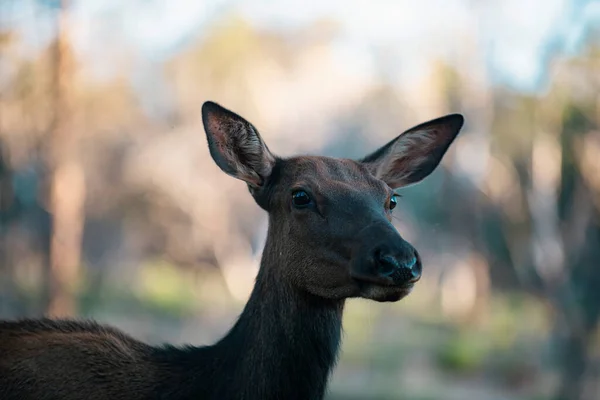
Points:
(236, 146)
(413, 155)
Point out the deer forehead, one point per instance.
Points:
(331, 175)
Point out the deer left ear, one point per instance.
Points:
(416, 153)
(236, 146)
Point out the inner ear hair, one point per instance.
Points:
(236, 146)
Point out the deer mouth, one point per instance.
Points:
(386, 274)
(374, 288)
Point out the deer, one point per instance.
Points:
(330, 238)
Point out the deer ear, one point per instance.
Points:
(236, 146)
(414, 154)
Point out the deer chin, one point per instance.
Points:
(384, 293)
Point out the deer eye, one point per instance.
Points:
(393, 202)
(300, 198)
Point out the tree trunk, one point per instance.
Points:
(6, 202)
(67, 185)
(573, 359)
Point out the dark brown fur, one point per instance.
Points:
(340, 244)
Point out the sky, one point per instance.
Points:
(516, 38)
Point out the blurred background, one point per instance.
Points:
(111, 207)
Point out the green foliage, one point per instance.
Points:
(462, 353)
(164, 287)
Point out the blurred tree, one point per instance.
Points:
(576, 290)
(67, 186)
(6, 215)
(552, 224)
(6, 195)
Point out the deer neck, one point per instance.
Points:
(286, 341)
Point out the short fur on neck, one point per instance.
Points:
(284, 346)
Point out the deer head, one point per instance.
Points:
(330, 229)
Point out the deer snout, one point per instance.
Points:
(385, 258)
(405, 267)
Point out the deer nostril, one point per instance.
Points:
(414, 271)
(411, 263)
(387, 265)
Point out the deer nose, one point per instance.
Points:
(406, 267)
